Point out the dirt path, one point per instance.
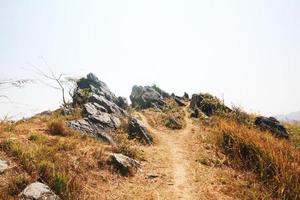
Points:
(172, 143)
(175, 157)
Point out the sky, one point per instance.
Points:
(247, 52)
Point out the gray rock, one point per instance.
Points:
(146, 97)
(122, 102)
(179, 101)
(186, 97)
(94, 108)
(173, 123)
(273, 125)
(110, 106)
(208, 104)
(3, 166)
(163, 93)
(38, 191)
(195, 113)
(103, 110)
(136, 129)
(89, 128)
(94, 85)
(124, 164)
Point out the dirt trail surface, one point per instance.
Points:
(174, 158)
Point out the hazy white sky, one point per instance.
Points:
(247, 50)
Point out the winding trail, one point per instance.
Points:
(175, 160)
(172, 143)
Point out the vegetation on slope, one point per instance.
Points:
(45, 149)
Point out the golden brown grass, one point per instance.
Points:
(276, 162)
(57, 126)
(127, 147)
(160, 118)
(74, 167)
(294, 132)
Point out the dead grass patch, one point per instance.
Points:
(276, 162)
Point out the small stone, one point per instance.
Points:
(38, 191)
(124, 164)
(3, 165)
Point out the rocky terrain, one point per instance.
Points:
(162, 146)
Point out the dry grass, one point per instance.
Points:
(160, 118)
(74, 167)
(276, 162)
(294, 133)
(128, 147)
(57, 126)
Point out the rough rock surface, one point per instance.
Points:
(3, 166)
(273, 125)
(179, 101)
(103, 110)
(208, 104)
(136, 129)
(146, 97)
(124, 164)
(173, 123)
(186, 96)
(38, 191)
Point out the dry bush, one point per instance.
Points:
(57, 126)
(127, 147)
(17, 184)
(275, 161)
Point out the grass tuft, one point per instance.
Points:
(58, 127)
(17, 184)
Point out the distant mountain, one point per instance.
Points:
(294, 116)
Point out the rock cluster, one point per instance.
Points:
(102, 109)
(38, 191)
(146, 97)
(273, 125)
(207, 104)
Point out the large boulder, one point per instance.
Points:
(146, 97)
(137, 130)
(208, 104)
(38, 191)
(103, 111)
(125, 165)
(272, 125)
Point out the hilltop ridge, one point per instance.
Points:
(162, 146)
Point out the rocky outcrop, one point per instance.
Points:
(173, 123)
(186, 96)
(137, 130)
(102, 109)
(3, 165)
(272, 125)
(179, 101)
(146, 97)
(163, 93)
(208, 104)
(125, 165)
(38, 191)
